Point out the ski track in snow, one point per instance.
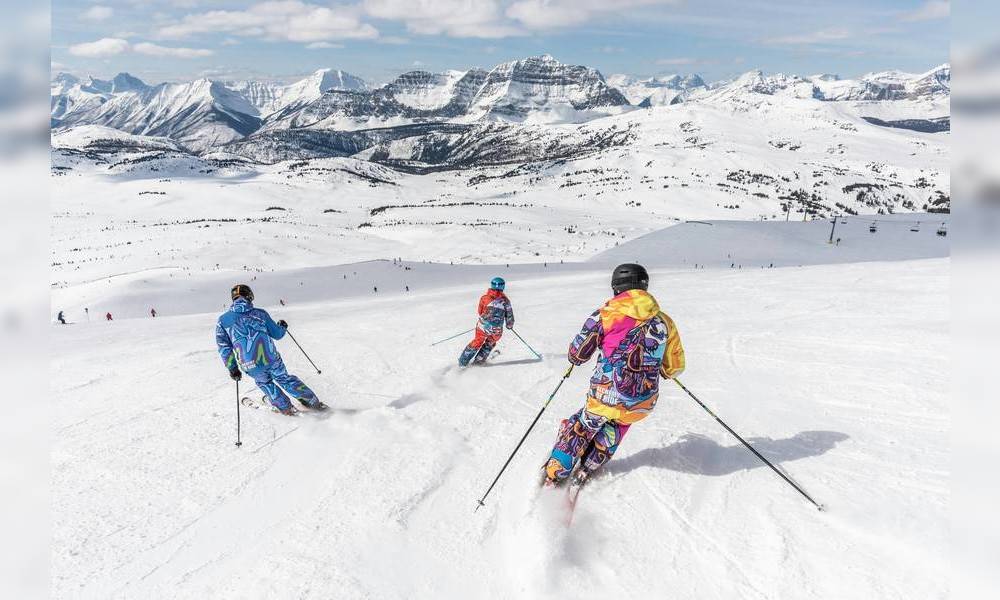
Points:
(831, 371)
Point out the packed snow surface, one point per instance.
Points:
(832, 371)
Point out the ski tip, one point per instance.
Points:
(821, 508)
(479, 504)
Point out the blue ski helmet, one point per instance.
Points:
(497, 283)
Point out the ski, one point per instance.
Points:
(573, 490)
(264, 404)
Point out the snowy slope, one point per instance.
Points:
(633, 175)
(831, 371)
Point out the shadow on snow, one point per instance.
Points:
(700, 455)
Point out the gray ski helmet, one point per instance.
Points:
(629, 276)
(242, 290)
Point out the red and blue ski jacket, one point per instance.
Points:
(494, 310)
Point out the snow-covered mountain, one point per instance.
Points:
(655, 91)
(263, 95)
(514, 89)
(201, 114)
(269, 96)
(346, 116)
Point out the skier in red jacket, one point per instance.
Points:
(494, 311)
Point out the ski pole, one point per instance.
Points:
(303, 351)
(454, 336)
(749, 447)
(482, 501)
(526, 343)
(238, 441)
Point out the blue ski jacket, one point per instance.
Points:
(245, 336)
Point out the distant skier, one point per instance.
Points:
(494, 311)
(638, 344)
(61, 318)
(245, 336)
(152, 312)
(107, 316)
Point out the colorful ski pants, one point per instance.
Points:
(269, 377)
(480, 346)
(584, 436)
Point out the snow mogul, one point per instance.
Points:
(638, 344)
(245, 336)
(494, 310)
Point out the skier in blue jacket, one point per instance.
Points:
(245, 336)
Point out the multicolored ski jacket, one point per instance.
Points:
(494, 310)
(245, 336)
(638, 344)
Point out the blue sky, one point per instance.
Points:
(169, 40)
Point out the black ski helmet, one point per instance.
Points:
(242, 290)
(629, 276)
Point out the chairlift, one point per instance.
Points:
(873, 227)
(843, 221)
(943, 230)
(915, 227)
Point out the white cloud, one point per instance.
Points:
(611, 49)
(106, 47)
(929, 11)
(99, 49)
(495, 18)
(457, 18)
(162, 51)
(554, 14)
(323, 46)
(230, 42)
(98, 13)
(286, 20)
(815, 37)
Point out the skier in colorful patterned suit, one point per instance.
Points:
(494, 311)
(638, 344)
(245, 336)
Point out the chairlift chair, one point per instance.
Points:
(943, 230)
(915, 227)
(873, 227)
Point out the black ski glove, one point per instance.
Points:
(283, 323)
(235, 374)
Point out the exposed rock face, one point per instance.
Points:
(516, 88)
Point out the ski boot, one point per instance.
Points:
(313, 404)
(579, 478)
